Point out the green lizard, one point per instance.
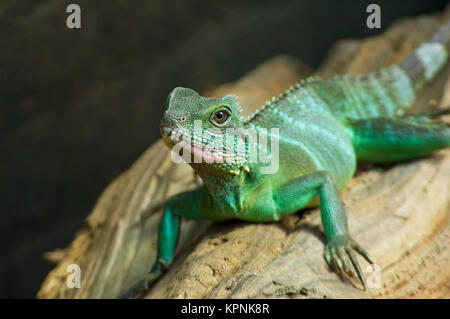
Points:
(322, 128)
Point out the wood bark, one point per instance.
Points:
(399, 213)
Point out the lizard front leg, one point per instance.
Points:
(340, 247)
(187, 204)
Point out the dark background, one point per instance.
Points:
(77, 107)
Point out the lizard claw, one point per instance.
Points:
(340, 255)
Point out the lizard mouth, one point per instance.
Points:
(172, 137)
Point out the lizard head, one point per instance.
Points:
(207, 128)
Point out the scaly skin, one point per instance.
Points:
(324, 127)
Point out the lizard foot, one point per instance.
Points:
(140, 289)
(340, 255)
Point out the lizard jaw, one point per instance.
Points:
(171, 137)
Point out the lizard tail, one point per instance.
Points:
(427, 60)
(390, 91)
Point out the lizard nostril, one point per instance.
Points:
(166, 127)
(167, 122)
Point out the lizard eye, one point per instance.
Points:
(220, 117)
